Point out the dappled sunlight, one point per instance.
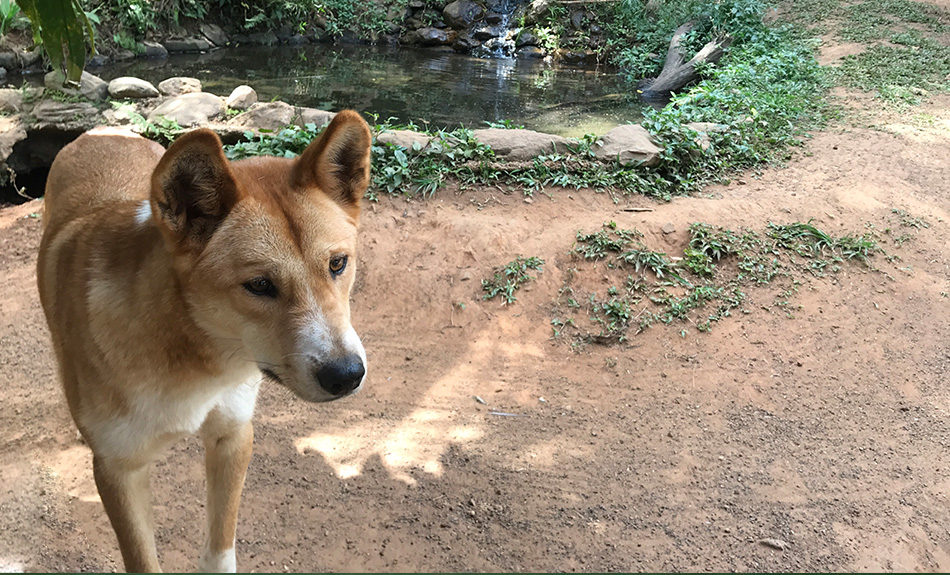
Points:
(10, 566)
(72, 468)
(416, 442)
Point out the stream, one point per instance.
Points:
(437, 88)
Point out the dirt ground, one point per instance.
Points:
(828, 432)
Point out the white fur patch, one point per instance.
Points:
(353, 344)
(223, 562)
(160, 417)
(314, 339)
(143, 213)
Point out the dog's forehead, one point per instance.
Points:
(312, 224)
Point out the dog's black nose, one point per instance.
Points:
(341, 376)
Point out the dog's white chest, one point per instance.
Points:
(157, 418)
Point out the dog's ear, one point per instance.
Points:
(338, 161)
(193, 188)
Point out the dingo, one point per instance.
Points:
(172, 280)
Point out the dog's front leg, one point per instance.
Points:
(228, 448)
(125, 494)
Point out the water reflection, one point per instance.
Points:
(441, 89)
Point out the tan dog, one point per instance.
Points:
(171, 280)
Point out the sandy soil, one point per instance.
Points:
(828, 432)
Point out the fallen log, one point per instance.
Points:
(677, 72)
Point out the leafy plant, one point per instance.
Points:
(723, 262)
(508, 279)
(10, 16)
(63, 28)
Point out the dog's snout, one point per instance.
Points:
(341, 376)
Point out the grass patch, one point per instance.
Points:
(508, 279)
(907, 54)
(704, 286)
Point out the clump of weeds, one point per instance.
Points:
(706, 285)
(508, 279)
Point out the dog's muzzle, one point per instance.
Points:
(341, 376)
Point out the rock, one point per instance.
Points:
(520, 144)
(774, 543)
(3, 73)
(433, 37)
(629, 144)
(264, 38)
(269, 116)
(122, 54)
(187, 45)
(574, 57)
(190, 109)
(214, 34)
(535, 11)
(461, 14)
(30, 57)
(154, 50)
(318, 118)
(97, 61)
(704, 129)
(179, 85)
(404, 138)
(530, 52)
(129, 87)
(241, 98)
(577, 19)
(464, 43)
(90, 86)
(668, 228)
(526, 38)
(11, 132)
(65, 114)
(488, 32)
(9, 61)
(296, 40)
(494, 18)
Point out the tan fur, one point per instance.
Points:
(150, 273)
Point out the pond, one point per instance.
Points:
(437, 88)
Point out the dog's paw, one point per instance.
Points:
(221, 562)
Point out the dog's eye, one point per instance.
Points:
(337, 265)
(261, 287)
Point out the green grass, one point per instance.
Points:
(907, 53)
(508, 279)
(707, 284)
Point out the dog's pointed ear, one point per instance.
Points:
(338, 161)
(193, 188)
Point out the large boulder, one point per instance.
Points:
(520, 144)
(154, 50)
(11, 101)
(318, 118)
(430, 37)
(241, 98)
(190, 109)
(179, 85)
(404, 138)
(90, 86)
(186, 45)
(630, 144)
(462, 13)
(214, 34)
(11, 132)
(130, 87)
(268, 116)
(65, 116)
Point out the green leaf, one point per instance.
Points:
(62, 27)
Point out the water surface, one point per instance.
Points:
(437, 88)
